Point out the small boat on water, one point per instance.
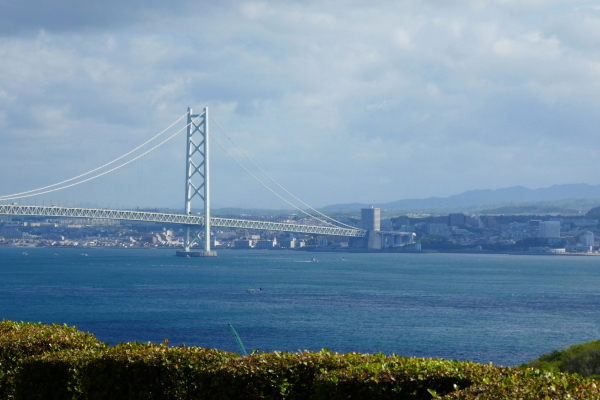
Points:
(84, 254)
(314, 260)
(254, 290)
(25, 253)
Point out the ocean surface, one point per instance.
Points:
(504, 309)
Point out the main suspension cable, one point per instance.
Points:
(277, 183)
(262, 183)
(105, 172)
(12, 196)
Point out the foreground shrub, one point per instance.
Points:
(583, 359)
(53, 376)
(278, 375)
(19, 340)
(54, 362)
(149, 371)
(394, 377)
(502, 383)
(126, 371)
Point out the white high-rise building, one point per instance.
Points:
(370, 218)
(549, 229)
(587, 239)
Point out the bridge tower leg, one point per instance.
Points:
(197, 179)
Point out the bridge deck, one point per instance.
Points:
(147, 216)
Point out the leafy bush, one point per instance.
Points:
(583, 359)
(53, 376)
(502, 383)
(19, 340)
(148, 371)
(394, 377)
(275, 375)
(54, 362)
(126, 371)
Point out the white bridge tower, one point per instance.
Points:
(197, 180)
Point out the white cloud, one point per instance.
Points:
(403, 39)
(255, 9)
(431, 98)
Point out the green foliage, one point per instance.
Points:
(274, 375)
(53, 376)
(501, 383)
(54, 362)
(583, 359)
(19, 340)
(394, 377)
(149, 371)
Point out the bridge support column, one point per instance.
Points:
(197, 180)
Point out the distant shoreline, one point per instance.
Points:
(319, 250)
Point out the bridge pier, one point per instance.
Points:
(190, 254)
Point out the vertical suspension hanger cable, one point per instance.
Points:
(267, 187)
(277, 183)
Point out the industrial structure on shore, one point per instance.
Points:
(375, 238)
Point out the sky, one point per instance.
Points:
(339, 101)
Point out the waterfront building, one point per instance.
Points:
(458, 219)
(549, 229)
(490, 222)
(322, 242)
(386, 224)
(579, 248)
(265, 244)
(11, 232)
(407, 228)
(474, 222)
(287, 243)
(243, 244)
(434, 229)
(546, 250)
(587, 239)
(370, 218)
(402, 220)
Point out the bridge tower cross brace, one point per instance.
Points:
(197, 179)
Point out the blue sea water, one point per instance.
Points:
(504, 309)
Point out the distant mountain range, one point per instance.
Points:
(579, 196)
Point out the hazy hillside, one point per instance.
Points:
(570, 196)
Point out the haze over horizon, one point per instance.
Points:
(338, 101)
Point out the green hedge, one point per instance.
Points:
(394, 377)
(502, 383)
(583, 359)
(53, 362)
(126, 371)
(149, 371)
(20, 340)
(273, 375)
(54, 376)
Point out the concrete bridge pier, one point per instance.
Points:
(190, 254)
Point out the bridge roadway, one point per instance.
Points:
(72, 212)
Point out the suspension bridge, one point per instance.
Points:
(197, 185)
